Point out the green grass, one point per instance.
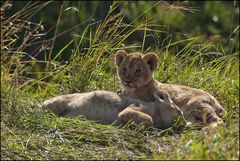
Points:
(37, 134)
(28, 133)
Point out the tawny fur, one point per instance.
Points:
(135, 71)
(107, 107)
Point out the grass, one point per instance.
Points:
(37, 134)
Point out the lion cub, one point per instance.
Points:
(135, 71)
(107, 107)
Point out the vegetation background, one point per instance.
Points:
(51, 48)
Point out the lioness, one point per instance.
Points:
(135, 71)
(106, 107)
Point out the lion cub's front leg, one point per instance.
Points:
(133, 112)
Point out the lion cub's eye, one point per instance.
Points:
(138, 71)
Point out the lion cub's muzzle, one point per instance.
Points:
(129, 83)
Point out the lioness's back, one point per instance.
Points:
(94, 105)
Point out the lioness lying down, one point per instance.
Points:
(106, 107)
(135, 71)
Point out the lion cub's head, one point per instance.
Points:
(135, 69)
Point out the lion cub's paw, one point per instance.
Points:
(137, 116)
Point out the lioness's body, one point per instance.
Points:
(106, 107)
(136, 74)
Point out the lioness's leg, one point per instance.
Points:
(134, 113)
(58, 105)
(207, 117)
(204, 113)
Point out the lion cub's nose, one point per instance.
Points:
(128, 81)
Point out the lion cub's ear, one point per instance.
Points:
(120, 55)
(152, 60)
